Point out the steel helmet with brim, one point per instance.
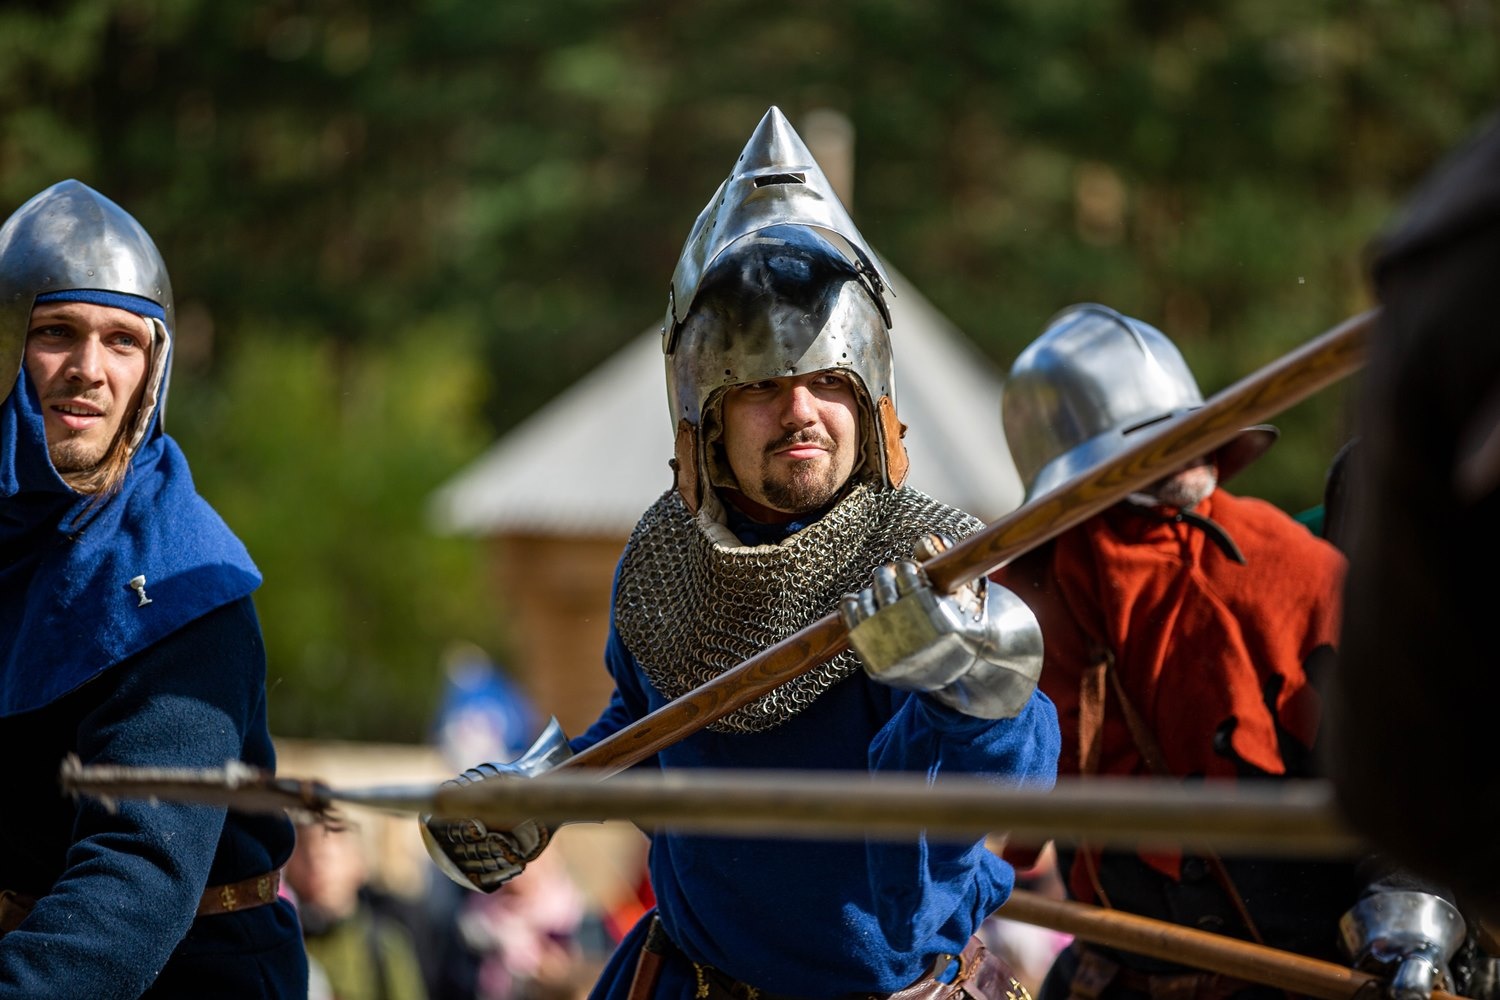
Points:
(1095, 378)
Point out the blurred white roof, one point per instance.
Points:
(595, 457)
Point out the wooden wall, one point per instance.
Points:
(553, 592)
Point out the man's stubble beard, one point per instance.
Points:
(802, 493)
(95, 468)
(73, 455)
(805, 489)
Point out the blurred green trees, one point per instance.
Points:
(397, 228)
(323, 454)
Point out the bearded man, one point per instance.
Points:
(789, 469)
(127, 637)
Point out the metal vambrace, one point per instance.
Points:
(472, 854)
(1409, 936)
(978, 651)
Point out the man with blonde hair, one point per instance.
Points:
(127, 637)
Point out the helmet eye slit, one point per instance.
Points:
(769, 179)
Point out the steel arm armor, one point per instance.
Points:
(978, 651)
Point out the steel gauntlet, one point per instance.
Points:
(1409, 936)
(978, 651)
(472, 854)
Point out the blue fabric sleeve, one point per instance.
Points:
(135, 872)
(922, 886)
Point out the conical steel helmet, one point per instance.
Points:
(71, 237)
(1095, 377)
(775, 280)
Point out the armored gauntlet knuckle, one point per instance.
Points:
(981, 657)
(930, 545)
(463, 831)
(470, 853)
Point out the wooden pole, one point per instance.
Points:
(1262, 818)
(1292, 817)
(1188, 946)
(1268, 391)
(1284, 817)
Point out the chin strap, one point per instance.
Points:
(1213, 529)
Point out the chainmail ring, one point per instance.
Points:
(690, 608)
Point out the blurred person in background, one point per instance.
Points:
(127, 637)
(1189, 634)
(789, 497)
(361, 953)
(522, 942)
(481, 711)
(1029, 949)
(525, 936)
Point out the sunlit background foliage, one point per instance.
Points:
(397, 228)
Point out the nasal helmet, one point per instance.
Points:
(1095, 378)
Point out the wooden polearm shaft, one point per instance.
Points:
(1281, 817)
(1255, 398)
(1188, 946)
(1264, 818)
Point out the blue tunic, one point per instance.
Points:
(87, 666)
(117, 889)
(815, 918)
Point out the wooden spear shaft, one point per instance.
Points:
(1266, 392)
(1294, 816)
(1188, 946)
(1283, 817)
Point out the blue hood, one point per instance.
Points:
(67, 610)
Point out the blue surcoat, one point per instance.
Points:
(168, 675)
(816, 918)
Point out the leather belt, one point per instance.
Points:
(246, 894)
(981, 976)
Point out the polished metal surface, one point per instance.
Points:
(1095, 377)
(71, 237)
(775, 181)
(1410, 936)
(979, 655)
(774, 280)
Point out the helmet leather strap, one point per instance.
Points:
(685, 463)
(892, 430)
